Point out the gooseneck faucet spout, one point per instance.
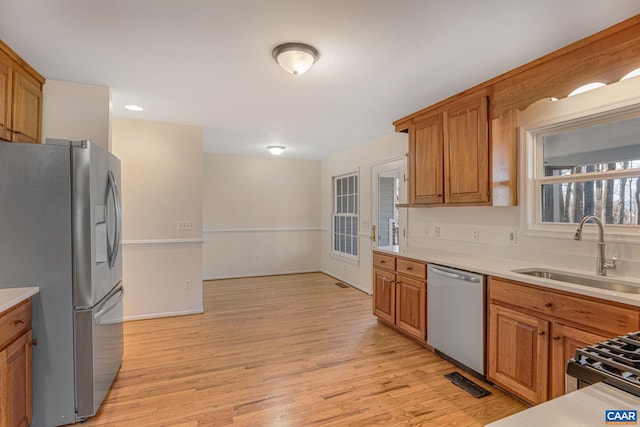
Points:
(602, 264)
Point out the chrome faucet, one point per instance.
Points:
(602, 264)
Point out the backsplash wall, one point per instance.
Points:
(494, 225)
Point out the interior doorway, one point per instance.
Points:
(388, 222)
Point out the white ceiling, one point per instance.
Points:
(208, 62)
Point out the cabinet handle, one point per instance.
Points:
(34, 342)
(556, 338)
(383, 262)
(409, 268)
(547, 304)
(19, 322)
(540, 333)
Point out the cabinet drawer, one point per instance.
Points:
(15, 322)
(411, 268)
(384, 261)
(586, 312)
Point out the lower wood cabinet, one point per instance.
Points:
(384, 295)
(411, 306)
(400, 294)
(518, 352)
(564, 342)
(534, 331)
(15, 366)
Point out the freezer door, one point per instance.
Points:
(98, 349)
(97, 223)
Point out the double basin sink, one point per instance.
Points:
(608, 283)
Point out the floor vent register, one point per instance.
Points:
(341, 285)
(467, 385)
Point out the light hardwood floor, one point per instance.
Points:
(292, 350)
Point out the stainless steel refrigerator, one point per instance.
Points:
(60, 230)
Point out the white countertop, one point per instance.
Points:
(11, 297)
(582, 408)
(502, 267)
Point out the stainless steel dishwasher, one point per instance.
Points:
(455, 315)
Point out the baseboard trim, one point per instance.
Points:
(166, 314)
(349, 282)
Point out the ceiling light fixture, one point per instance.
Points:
(132, 107)
(276, 150)
(295, 58)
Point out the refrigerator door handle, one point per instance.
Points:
(114, 249)
(114, 301)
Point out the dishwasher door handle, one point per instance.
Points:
(455, 276)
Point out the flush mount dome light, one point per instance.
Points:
(276, 150)
(295, 58)
(132, 107)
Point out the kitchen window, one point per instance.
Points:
(345, 215)
(588, 166)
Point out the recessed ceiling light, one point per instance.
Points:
(276, 150)
(132, 107)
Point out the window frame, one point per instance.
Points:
(534, 178)
(353, 216)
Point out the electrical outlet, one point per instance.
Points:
(436, 231)
(187, 284)
(426, 231)
(475, 234)
(184, 225)
(512, 236)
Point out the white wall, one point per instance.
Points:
(77, 111)
(261, 216)
(361, 158)
(161, 184)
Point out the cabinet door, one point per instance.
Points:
(15, 373)
(565, 341)
(466, 152)
(518, 353)
(411, 303)
(425, 154)
(27, 108)
(384, 296)
(5, 99)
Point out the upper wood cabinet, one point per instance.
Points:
(602, 57)
(426, 171)
(466, 148)
(5, 98)
(20, 98)
(449, 154)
